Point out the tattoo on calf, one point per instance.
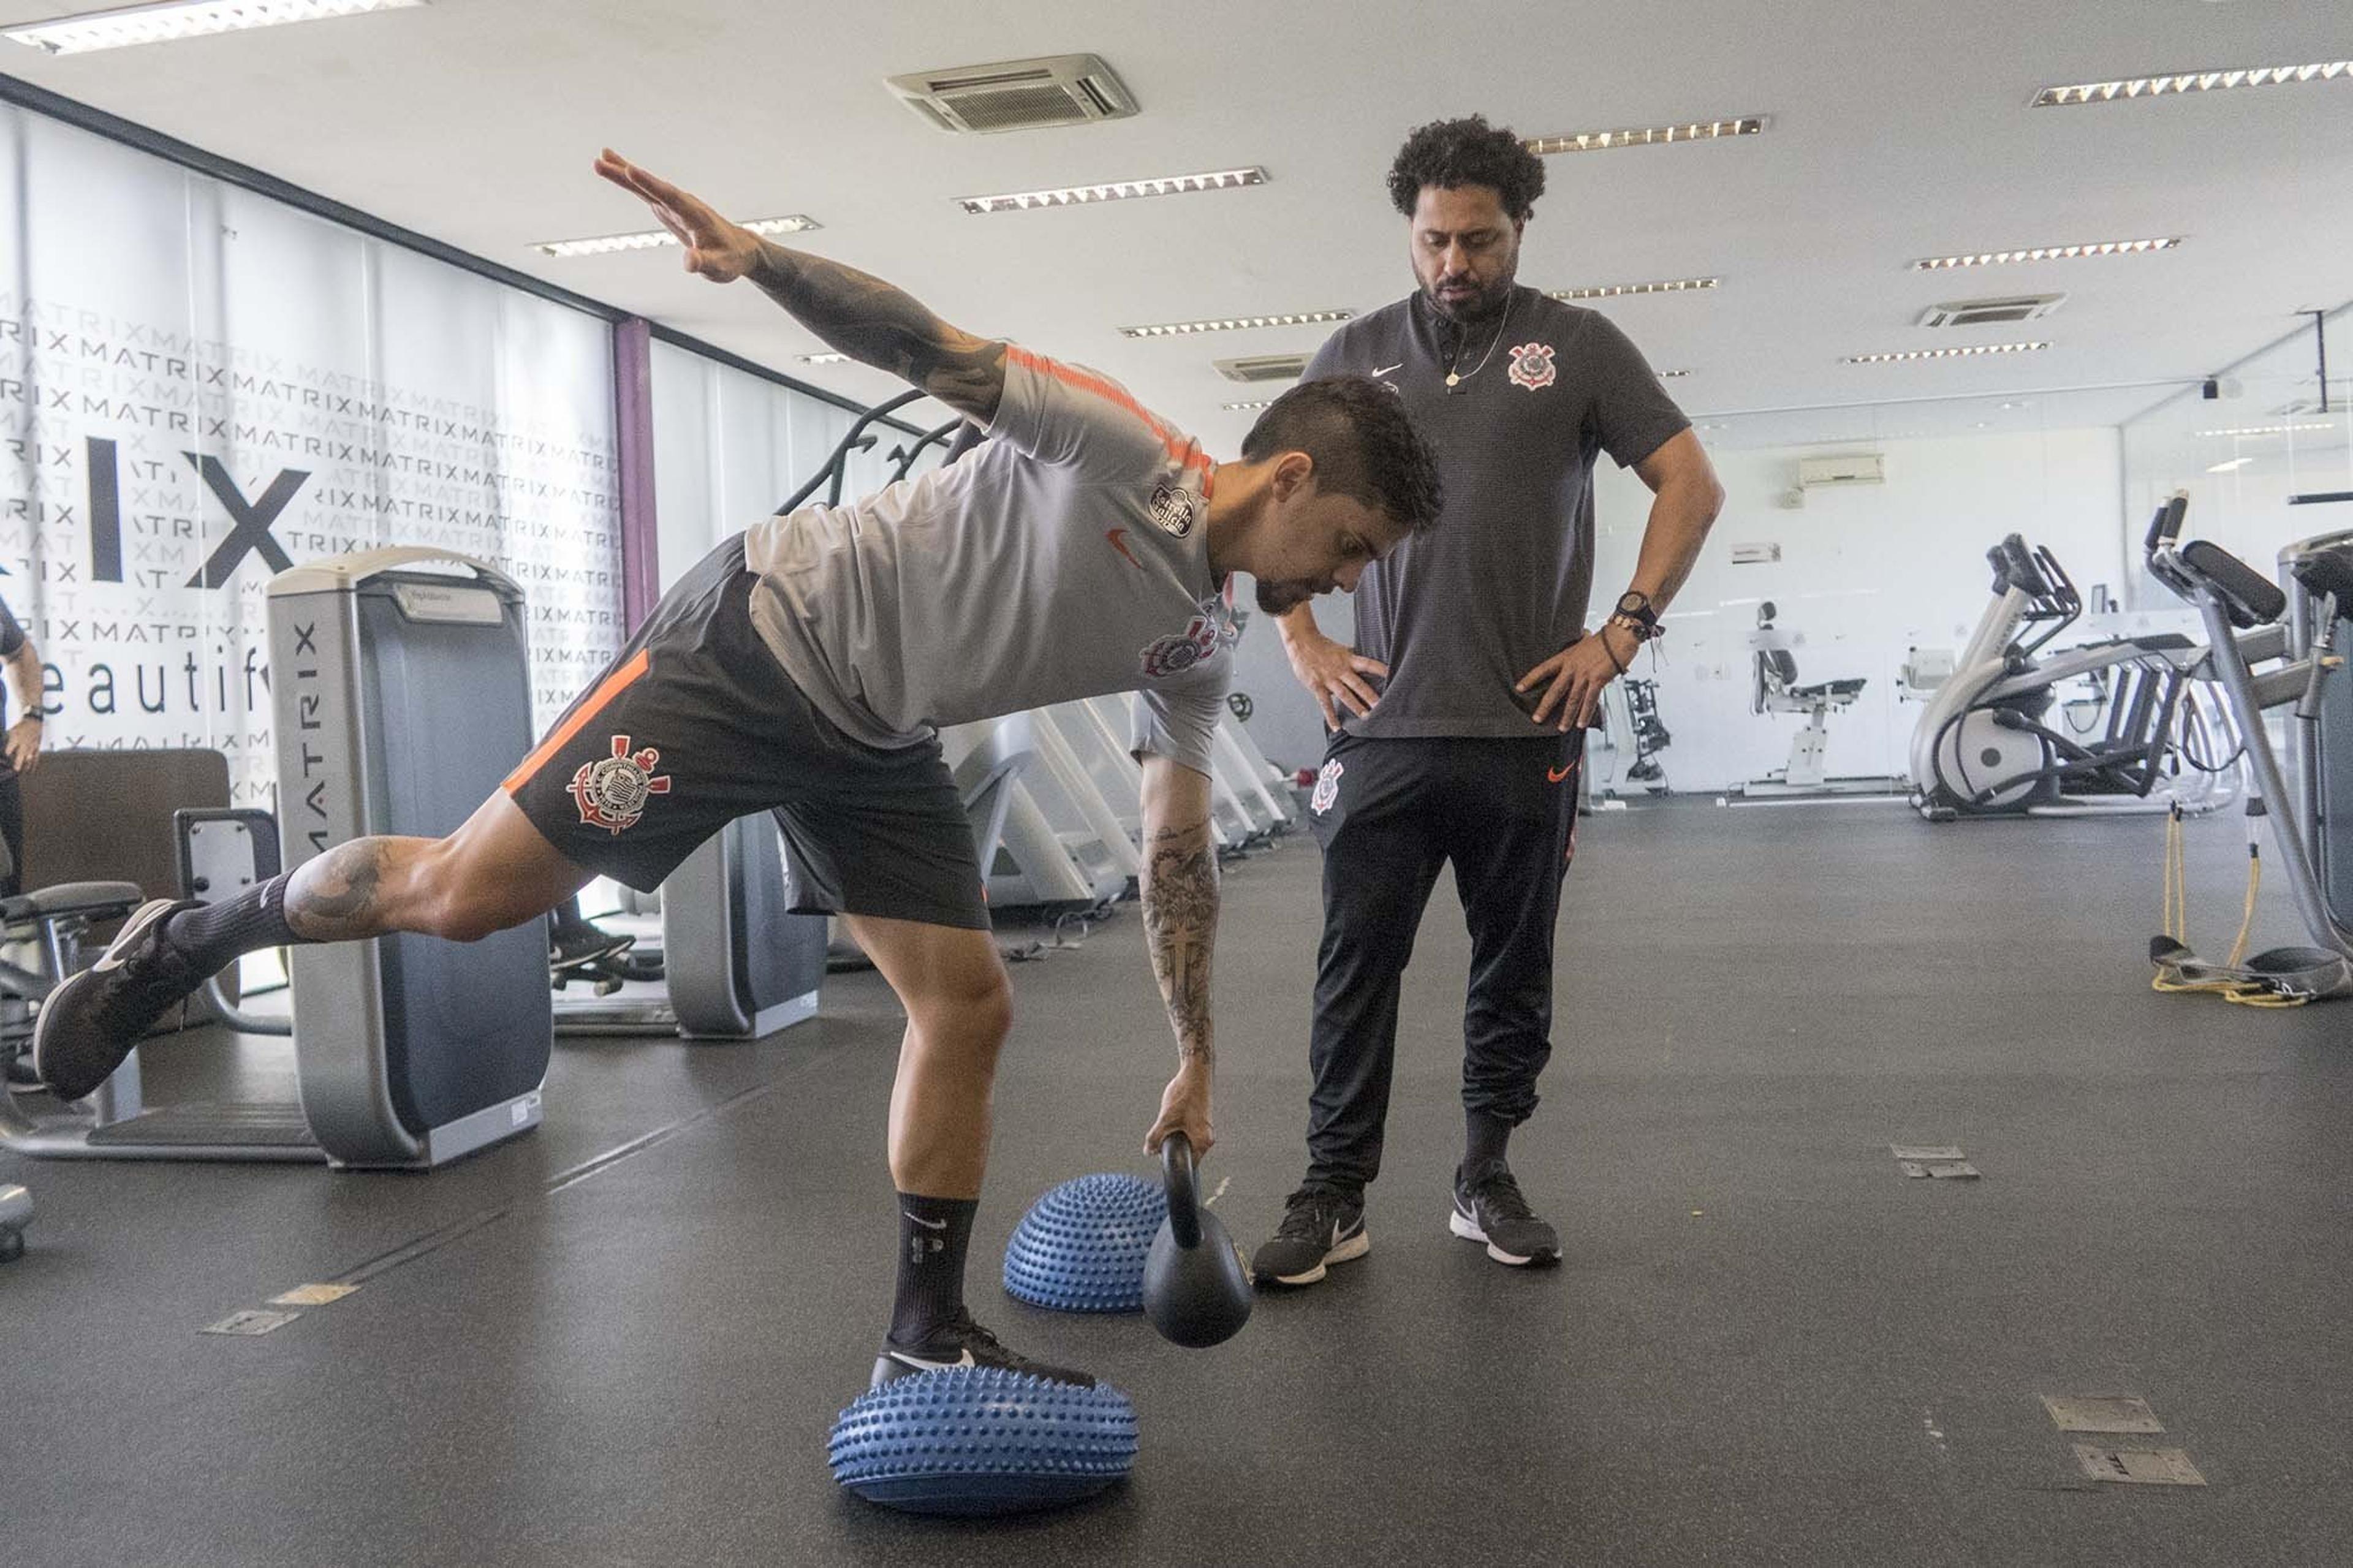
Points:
(1180, 923)
(334, 898)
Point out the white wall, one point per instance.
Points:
(1866, 574)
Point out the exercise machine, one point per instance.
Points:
(2236, 601)
(1046, 837)
(2150, 733)
(1774, 689)
(1651, 735)
(400, 679)
(736, 964)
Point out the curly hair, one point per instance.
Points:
(1450, 153)
(1364, 445)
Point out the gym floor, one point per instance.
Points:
(1767, 1344)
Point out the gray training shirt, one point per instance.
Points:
(1067, 557)
(1460, 613)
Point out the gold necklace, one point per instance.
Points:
(1500, 326)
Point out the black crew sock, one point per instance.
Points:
(931, 1236)
(1484, 1138)
(212, 936)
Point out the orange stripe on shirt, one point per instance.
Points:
(614, 685)
(1188, 453)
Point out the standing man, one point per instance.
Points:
(1458, 716)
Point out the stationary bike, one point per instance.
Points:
(1985, 744)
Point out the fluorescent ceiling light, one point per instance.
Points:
(1649, 135)
(1612, 291)
(178, 20)
(2192, 81)
(1673, 374)
(1234, 323)
(1115, 191)
(824, 359)
(2232, 466)
(2268, 429)
(1246, 405)
(2049, 253)
(653, 239)
(1943, 353)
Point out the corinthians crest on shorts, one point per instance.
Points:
(1531, 366)
(611, 792)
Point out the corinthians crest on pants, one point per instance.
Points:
(1327, 787)
(611, 792)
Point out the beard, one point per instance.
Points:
(1282, 598)
(1484, 305)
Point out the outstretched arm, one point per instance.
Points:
(1180, 924)
(858, 314)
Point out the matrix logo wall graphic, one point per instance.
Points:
(154, 482)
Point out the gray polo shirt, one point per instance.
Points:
(1066, 557)
(1460, 613)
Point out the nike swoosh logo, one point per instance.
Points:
(1118, 537)
(1387, 368)
(927, 1223)
(1554, 776)
(915, 1360)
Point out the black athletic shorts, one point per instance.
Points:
(695, 725)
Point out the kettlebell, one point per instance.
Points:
(1195, 1290)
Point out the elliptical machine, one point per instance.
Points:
(2244, 611)
(1984, 745)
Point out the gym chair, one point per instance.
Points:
(1776, 691)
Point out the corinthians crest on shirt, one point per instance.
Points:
(1531, 366)
(1177, 654)
(611, 792)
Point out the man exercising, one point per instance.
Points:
(802, 667)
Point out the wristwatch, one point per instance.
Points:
(1634, 613)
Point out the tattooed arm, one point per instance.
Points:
(1180, 924)
(861, 316)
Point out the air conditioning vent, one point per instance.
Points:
(1990, 312)
(1853, 468)
(1017, 95)
(1263, 368)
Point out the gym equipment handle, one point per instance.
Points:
(1182, 1177)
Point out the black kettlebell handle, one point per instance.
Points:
(1179, 1173)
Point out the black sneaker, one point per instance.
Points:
(89, 1023)
(1488, 1207)
(1318, 1229)
(963, 1342)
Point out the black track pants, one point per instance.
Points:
(1389, 814)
